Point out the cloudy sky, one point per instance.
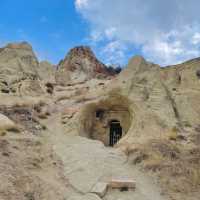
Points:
(164, 32)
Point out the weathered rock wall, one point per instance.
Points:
(80, 65)
(161, 99)
(18, 69)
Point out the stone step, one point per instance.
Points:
(100, 189)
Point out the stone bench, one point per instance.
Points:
(101, 188)
(120, 183)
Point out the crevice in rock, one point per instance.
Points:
(173, 104)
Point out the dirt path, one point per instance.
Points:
(86, 162)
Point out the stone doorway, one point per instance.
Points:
(115, 132)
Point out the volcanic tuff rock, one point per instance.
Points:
(165, 118)
(46, 72)
(158, 109)
(79, 65)
(18, 69)
(157, 98)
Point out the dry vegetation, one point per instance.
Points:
(24, 168)
(177, 164)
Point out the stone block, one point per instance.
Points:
(120, 183)
(100, 189)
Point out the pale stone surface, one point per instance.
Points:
(100, 189)
(6, 123)
(85, 197)
(87, 162)
(46, 72)
(18, 70)
(158, 99)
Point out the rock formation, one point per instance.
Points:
(18, 69)
(80, 65)
(56, 124)
(165, 117)
(46, 72)
(157, 98)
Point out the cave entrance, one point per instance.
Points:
(115, 132)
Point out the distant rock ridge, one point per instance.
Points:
(74, 58)
(81, 64)
(21, 45)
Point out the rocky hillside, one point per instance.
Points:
(18, 69)
(56, 125)
(80, 65)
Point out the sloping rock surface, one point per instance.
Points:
(79, 65)
(18, 69)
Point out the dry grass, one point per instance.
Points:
(173, 134)
(176, 165)
(3, 133)
(42, 116)
(14, 129)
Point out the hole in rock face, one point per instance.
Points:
(99, 113)
(106, 121)
(198, 74)
(109, 125)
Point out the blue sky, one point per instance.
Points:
(164, 32)
(51, 26)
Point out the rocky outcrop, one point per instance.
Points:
(163, 135)
(79, 65)
(18, 69)
(46, 72)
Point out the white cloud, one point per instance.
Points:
(110, 32)
(80, 4)
(95, 36)
(166, 32)
(115, 52)
(196, 38)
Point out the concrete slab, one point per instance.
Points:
(100, 189)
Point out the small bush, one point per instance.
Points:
(3, 133)
(173, 134)
(42, 116)
(176, 166)
(14, 129)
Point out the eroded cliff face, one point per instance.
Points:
(160, 98)
(18, 70)
(80, 65)
(163, 137)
